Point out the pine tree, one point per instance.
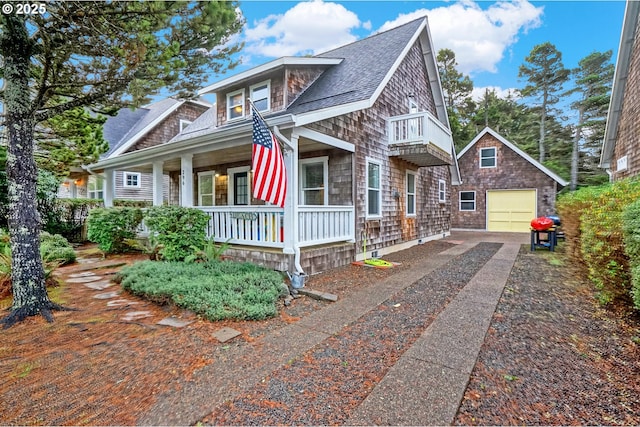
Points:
(101, 55)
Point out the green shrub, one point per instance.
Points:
(631, 233)
(54, 247)
(109, 227)
(122, 203)
(602, 245)
(177, 230)
(216, 290)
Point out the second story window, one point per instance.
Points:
(235, 105)
(260, 96)
(488, 157)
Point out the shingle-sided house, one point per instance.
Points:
(367, 149)
(621, 147)
(503, 187)
(130, 130)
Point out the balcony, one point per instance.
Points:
(421, 139)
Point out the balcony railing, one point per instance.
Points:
(419, 130)
(325, 224)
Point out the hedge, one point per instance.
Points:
(631, 233)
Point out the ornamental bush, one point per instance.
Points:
(55, 248)
(631, 233)
(177, 230)
(592, 220)
(110, 227)
(216, 290)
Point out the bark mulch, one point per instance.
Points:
(553, 356)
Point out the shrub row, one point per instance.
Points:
(631, 233)
(592, 220)
(216, 290)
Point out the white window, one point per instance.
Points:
(442, 191)
(314, 176)
(131, 180)
(239, 186)
(467, 200)
(413, 105)
(235, 105)
(374, 189)
(95, 187)
(411, 193)
(184, 124)
(260, 96)
(206, 188)
(488, 157)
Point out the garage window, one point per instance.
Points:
(488, 157)
(467, 200)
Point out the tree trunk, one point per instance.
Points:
(575, 153)
(27, 273)
(543, 120)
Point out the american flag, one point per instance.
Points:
(269, 174)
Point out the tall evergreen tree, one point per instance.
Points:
(593, 82)
(546, 76)
(457, 89)
(102, 55)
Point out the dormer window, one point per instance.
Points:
(184, 124)
(260, 96)
(235, 105)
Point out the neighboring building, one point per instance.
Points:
(368, 153)
(621, 146)
(132, 130)
(503, 188)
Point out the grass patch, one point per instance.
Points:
(216, 290)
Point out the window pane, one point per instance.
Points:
(235, 106)
(206, 183)
(313, 175)
(314, 197)
(467, 206)
(374, 205)
(260, 97)
(241, 189)
(374, 175)
(207, 200)
(467, 195)
(411, 206)
(411, 183)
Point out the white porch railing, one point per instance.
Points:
(325, 224)
(264, 225)
(419, 128)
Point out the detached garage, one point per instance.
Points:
(503, 188)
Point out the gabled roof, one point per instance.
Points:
(367, 66)
(518, 151)
(129, 126)
(629, 28)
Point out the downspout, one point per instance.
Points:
(296, 248)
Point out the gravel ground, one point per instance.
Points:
(553, 356)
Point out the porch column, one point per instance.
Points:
(186, 180)
(157, 183)
(108, 188)
(291, 201)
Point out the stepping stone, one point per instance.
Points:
(175, 322)
(107, 295)
(121, 303)
(86, 261)
(226, 334)
(84, 274)
(87, 279)
(98, 286)
(322, 296)
(136, 315)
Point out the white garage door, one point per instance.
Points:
(510, 210)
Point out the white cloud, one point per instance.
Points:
(478, 92)
(478, 37)
(307, 28)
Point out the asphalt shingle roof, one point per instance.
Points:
(365, 65)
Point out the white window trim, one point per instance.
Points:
(407, 193)
(231, 191)
(325, 176)
(413, 106)
(366, 201)
(268, 83)
(460, 201)
(184, 124)
(213, 189)
(442, 191)
(138, 176)
(229, 106)
(495, 157)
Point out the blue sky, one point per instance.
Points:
(490, 39)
